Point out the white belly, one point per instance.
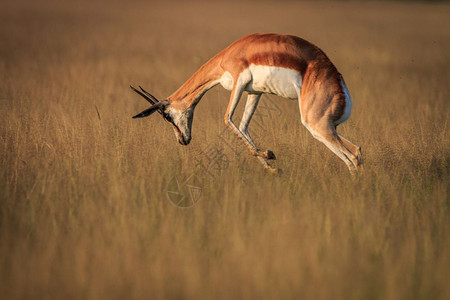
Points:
(275, 80)
(270, 80)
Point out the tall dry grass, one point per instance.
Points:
(84, 211)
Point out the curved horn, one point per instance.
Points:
(148, 94)
(152, 109)
(144, 96)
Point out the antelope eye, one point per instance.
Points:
(168, 117)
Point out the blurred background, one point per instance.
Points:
(95, 205)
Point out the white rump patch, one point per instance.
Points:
(348, 104)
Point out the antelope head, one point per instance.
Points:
(181, 120)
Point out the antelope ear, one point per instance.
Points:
(152, 109)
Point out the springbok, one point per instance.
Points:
(284, 65)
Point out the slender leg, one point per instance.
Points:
(250, 107)
(236, 94)
(326, 133)
(354, 149)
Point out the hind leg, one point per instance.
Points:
(354, 149)
(325, 132)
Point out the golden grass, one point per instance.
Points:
(84, 211)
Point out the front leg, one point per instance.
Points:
(236, 94)
(250, 107)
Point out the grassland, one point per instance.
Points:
(84, 207)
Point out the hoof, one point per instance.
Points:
(270, 155)
(267, 167)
